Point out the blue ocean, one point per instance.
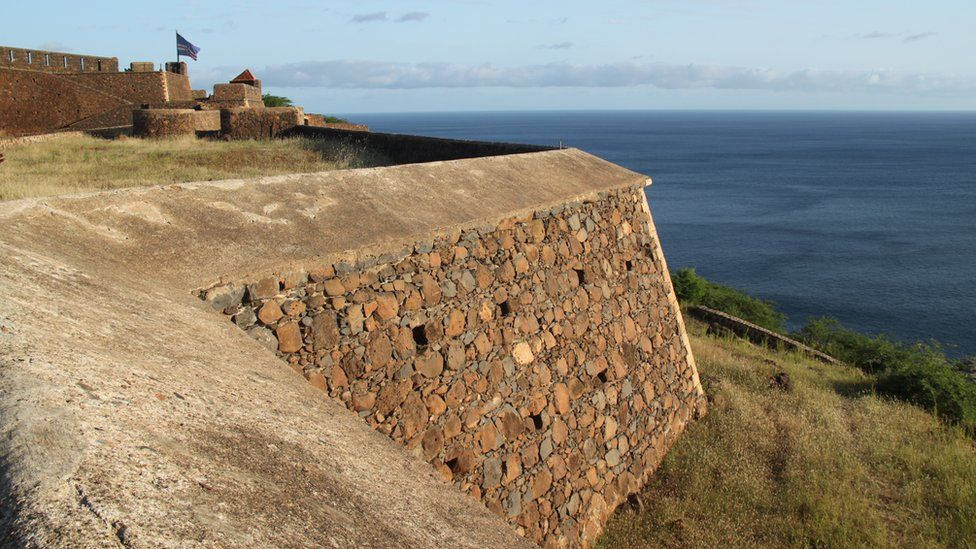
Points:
(867, 217)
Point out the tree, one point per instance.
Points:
(275, 100)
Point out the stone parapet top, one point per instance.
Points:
(238, 228)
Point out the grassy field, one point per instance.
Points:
(74, 163)
(823, 463)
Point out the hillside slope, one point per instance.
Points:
(816, 461)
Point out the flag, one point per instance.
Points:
(184, 47)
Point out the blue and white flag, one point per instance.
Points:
(184, 47)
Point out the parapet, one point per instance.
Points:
(142, 66)
(236, 95)
(51, 61)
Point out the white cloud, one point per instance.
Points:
(348, 74)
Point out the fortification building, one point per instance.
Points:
(477, 346)
(45, 91)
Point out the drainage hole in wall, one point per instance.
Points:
(505, 307)
(452, 464)
(420, 336)
(537, 421)
(602, 376)
(580, 276)
(630, 265)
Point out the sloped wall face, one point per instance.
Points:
(539, 363)
(38, 102)
(134, 87)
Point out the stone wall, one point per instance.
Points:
(233, 95)
(408, 149)
(39, 102)
(163, 122)
(719, 321)
(133, 87)
(178, 87)
(33, 102)
(538, 362)
(259, 123)
(52, 61)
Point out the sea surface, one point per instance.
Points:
(867, 217)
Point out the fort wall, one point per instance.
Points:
(38, 101)
(260, 122)
(538, 362)
(132, 87)
(178, 87)
(163, 122)
(181, 397)
(56, 62)
(33, 102)
(43, 91)
(406, 149)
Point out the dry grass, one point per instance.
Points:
(826, 464)
(79, 163)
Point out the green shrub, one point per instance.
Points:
(275, 100)
(918, 373)
(688, 286)
(933, 386)
(335, 120)
(692, 289)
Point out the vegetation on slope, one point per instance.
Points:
(817, 462)
(693, 289)
(918, 373)
(77, 163)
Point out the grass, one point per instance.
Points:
(919, 373)
(827, 463)
(77, 163)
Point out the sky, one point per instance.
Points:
(347, 56)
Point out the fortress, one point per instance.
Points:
(45, 91)
(477, 346)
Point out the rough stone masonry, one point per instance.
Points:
(131, 412)
(540, 363)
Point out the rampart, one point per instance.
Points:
(538, 363)
(57, 62)
(33, 102)
(405, 149)
(39, 102)
(43, 92)
(508, 319)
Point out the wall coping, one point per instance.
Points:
(215, 226)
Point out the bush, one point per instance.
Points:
(276, 100)
(918, 373)
(692, 289)
(688, 286)
(935, 387)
